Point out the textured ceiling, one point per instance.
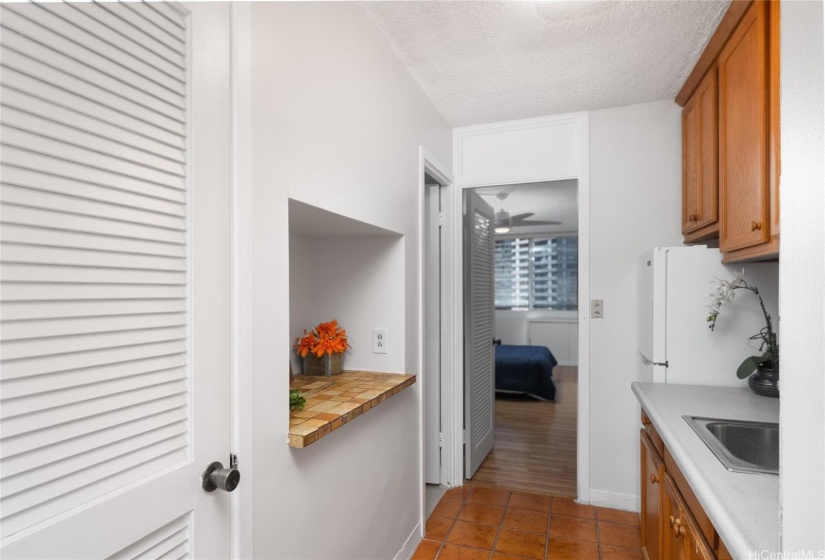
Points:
(483, 62)
(548, 200)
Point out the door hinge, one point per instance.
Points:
(464, 436)
(233, 461)
(440, 219)
(441, 439)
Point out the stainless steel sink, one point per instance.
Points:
(740, 445)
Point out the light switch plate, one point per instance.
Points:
(379, 341)
(597, 309)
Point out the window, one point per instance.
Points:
(537, 273)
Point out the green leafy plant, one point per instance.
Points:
(295, 399)
(725, 292)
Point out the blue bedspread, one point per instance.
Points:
(525, 369)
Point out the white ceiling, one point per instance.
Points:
(483, 62)
(549, 200)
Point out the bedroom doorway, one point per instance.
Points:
(527, 273)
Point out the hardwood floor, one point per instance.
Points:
(535, 447)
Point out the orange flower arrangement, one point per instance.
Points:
(326, 338)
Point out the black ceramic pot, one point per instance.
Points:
(765, 382)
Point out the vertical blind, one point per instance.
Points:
(537, 273)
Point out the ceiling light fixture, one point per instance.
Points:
(503, 229)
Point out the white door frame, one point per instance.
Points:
(427, 164)
(582, 120)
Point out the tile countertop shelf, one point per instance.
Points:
(743, 507)
(333, 401)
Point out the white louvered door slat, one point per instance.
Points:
(112, 400)
(479, 329)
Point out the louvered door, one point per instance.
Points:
(479, 330)
(114, 339)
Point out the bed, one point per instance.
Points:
(525, 370)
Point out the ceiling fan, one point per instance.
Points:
(504, 222)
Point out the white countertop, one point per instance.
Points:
(743, 507)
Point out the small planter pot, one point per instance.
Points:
(327, 365)
(765, 382)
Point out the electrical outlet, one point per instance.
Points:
(379, 341)
(596, 309)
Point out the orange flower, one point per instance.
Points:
(327, 338)
(303, 345)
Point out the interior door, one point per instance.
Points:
(479, 330)
(115, 273)
(432, 335)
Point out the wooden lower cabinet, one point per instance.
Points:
(653, 470)
(670, 530)
(683, 540)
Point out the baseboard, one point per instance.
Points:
(626, 502)
(410, 545)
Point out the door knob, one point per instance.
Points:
(654, 479)
(755, 226)
(693, 217)
(216, 477)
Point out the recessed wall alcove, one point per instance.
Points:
(349, 270)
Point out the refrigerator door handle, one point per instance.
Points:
(647, 362)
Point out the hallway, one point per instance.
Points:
(481, 523)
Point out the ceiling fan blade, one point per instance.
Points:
(523, 223)
(519, 217)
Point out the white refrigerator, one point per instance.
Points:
(675, 343)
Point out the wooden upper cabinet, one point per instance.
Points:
(730, 136)
(699, 162)
(744, 186)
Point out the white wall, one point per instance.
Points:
(336, 123)
(635, 204)
(360, 282)
(801, 278)
(515, 327)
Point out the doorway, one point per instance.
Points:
(524, 376)
(436, 357)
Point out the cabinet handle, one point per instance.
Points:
(654, 479)
(672, 520)
(693, 217)
(681, 531)
(645, 421)
(678, 530)
(756, 225)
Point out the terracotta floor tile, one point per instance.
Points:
(566, 506)
(620, 535)
(502, 556)
(519, 543)
(438, 527)
(575, 528)
(447, 508)
(616, 553)
(426, 550)
(458, 493)
(617, 516)
(524, 520)
(534, 502)
(492, 496)
(453, 552)
(481, 513)
(564, 549)
(473, 535)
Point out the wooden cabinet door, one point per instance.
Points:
(744, 186)
(699, 157)
(653, 472)
(695, 545)
(673, 530)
